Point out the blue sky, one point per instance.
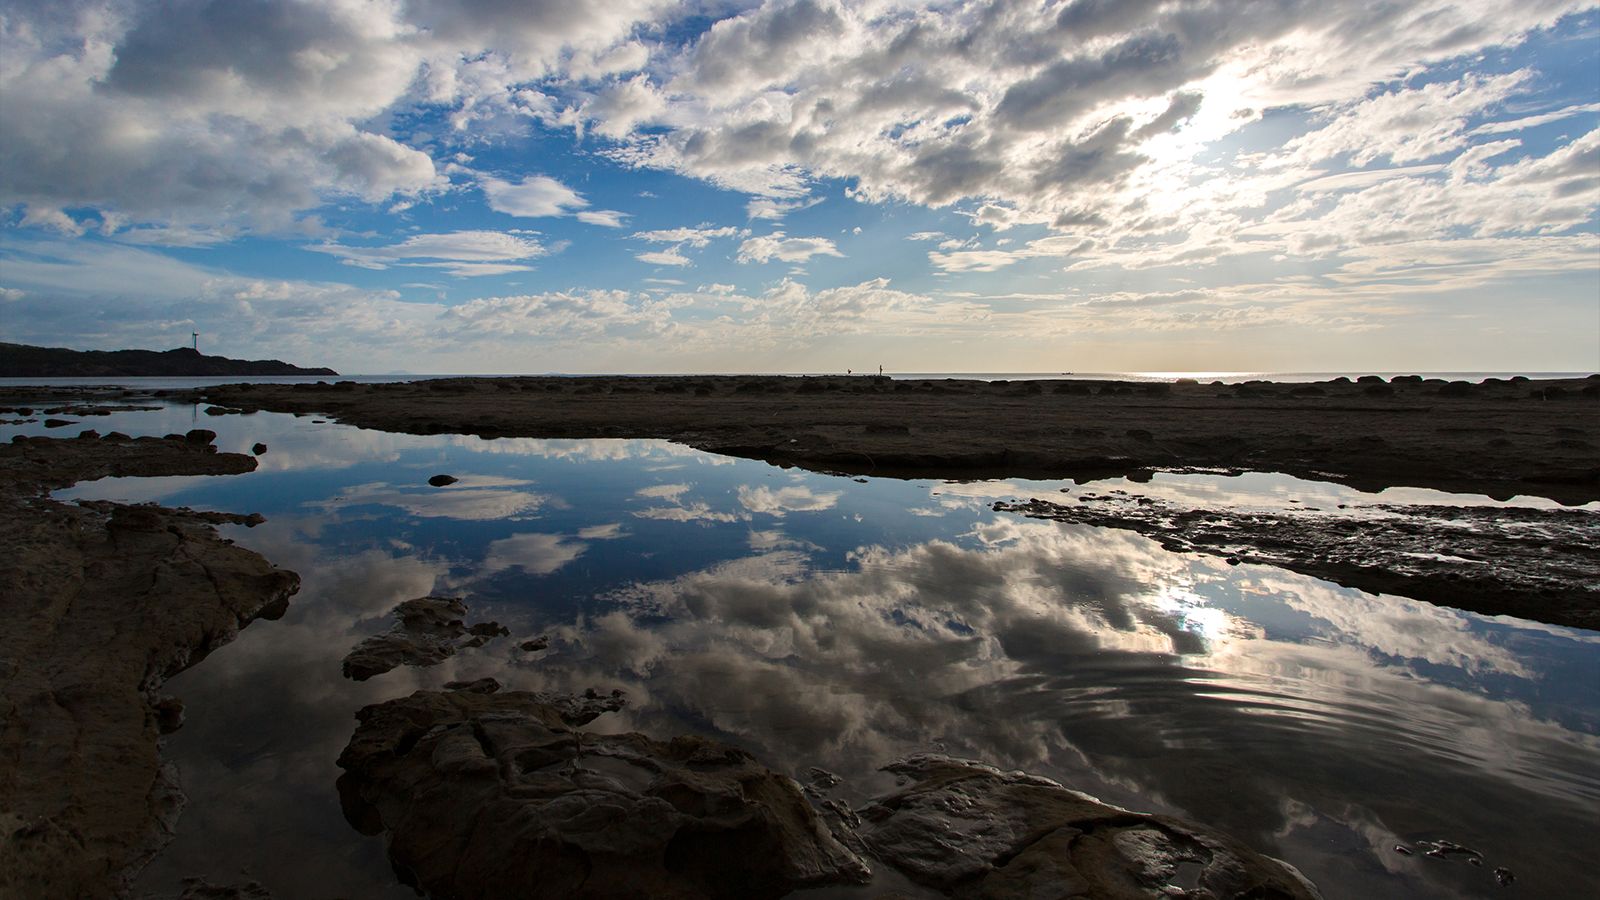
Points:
(653, 186)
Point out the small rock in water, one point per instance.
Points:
(476, 686)
(429, 631)
(258, 449)
(532, 644)
(1503, 876)
(1402, 849)
(443, 480)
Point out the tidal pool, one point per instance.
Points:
(823, 621)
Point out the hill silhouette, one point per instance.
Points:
(24, 361)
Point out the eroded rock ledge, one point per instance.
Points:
(490, 795)
(1536, 564)
(969, 830)
(103, 603)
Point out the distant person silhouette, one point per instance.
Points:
(880, 370)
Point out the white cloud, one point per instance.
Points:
(784, 500)
(773, 209)
(793, 250)
(1348, 180)
(669, 257)
(461, 253)
(609, 218)
(535, 554)
(533, 196)
(694, 237)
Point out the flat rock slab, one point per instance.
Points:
(968, 830)
(428, 631)
(495, 795)
(103, 603)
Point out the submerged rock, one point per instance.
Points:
(443, 480)
(968, 830)
(429, 631)
(495, 795)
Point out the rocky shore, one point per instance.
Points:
(104, 602)
(1500, 437)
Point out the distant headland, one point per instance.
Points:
(23, 361)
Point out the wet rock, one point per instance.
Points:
(1441, 554)
(538, 643)
(201, 889)
(169, 713)
(495, 795)
(85, 799)
(56, 423)
(258, 448)
(429, 631)
(443, 480)
(476, 686)
(200, 436)
(969, 830)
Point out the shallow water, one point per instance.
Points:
(824, 621)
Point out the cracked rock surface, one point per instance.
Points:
(104, 602)
(496, 795)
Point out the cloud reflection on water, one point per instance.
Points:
(1319, 722)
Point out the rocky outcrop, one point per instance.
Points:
(429, 631)
(103, 603)
(969, 830)
(496, 795)
(1533, 563)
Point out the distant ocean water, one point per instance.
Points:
(171, 383)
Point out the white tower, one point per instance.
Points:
(195, 336)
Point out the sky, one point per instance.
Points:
(808, 185)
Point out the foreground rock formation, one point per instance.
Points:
(968, 830)
(1534, 563)
(1502, 437)
(103, 602)
(487, 795)
(428, 631)
(495, 795)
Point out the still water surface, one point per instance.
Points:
(822, 621)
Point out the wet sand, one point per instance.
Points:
(1500, 438)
